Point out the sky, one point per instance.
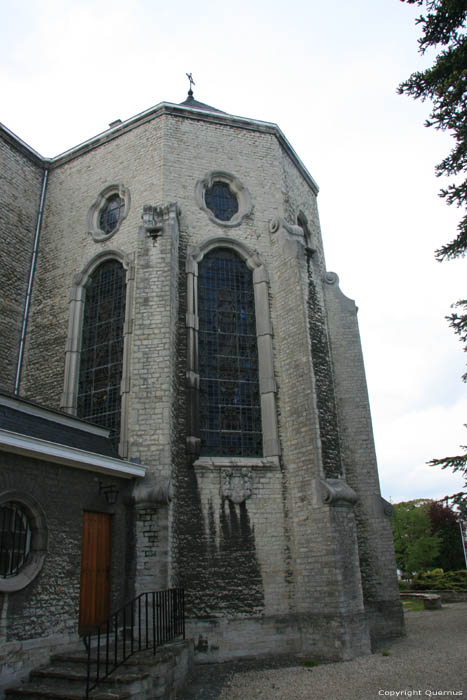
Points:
(327, 74)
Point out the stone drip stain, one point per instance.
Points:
(325, 395)
(221, 573)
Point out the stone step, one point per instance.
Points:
(68, 680)
(39, 691)
(143, 675)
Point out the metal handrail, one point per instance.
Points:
(148, 621)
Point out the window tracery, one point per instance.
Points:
(230, 410)
(101, 361)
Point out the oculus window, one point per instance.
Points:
(101, 360)
(223, 198)
(23, 540)
(111, 213)
(15, 538)
(108, 212)
(221, 201)
(229, 399)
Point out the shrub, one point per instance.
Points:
(438, 580)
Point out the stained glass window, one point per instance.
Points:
(221, 201)
(15, 538)
(111, 213)
(101, 361)
(230, 412)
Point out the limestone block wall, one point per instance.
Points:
(75, 181)
(263, 557)
(21, 176)
(376, 549)
(236, 563)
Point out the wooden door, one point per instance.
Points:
(95, 570)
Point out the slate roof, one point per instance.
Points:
(36, 421)
(194, 104)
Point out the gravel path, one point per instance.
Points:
(431, 661)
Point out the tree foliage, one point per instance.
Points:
(445, 84)
(426, 536)
(415, 546)
(445, 523)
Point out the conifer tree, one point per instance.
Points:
(443, 27)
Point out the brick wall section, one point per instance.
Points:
(50, 603)
(20, 187)
(43, 617)
(152, 551)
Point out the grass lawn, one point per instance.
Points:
(412, 604)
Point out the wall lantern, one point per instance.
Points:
(110, 493)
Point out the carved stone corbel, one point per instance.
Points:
(293, 230)
(337, 492)
(290, 234)
(159, 492)
(155, 219)
(237, 484)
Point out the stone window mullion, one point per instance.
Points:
(192, 375)
(267, 383)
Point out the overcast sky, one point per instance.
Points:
(327, 73)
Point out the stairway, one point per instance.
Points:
(142, 676)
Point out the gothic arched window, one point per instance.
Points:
(101, 357)
(229, 398)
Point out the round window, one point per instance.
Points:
(108, 212)
(15, 538)
(221, 201)
(224, 198)
(111, 213)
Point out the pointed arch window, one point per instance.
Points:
(231, 410)
(101, 361)
(230, 407)
(98, 348)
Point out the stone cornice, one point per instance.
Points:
(23, 147)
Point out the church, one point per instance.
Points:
(183, 397)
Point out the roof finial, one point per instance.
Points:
(192, 82)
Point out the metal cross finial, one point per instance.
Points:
(192, 82)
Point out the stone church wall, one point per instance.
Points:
(263, 557)
(376, 553)
(66, 246)
(20, 186)
(279, 569)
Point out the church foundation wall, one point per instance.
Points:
(322, 636)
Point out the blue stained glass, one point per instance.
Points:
(221, 201)
(101, 361)
(230, 415)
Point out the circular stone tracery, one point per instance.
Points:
(111, 213)
(23, 540)
(221, 201)
(224, 199)
(15, 538)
